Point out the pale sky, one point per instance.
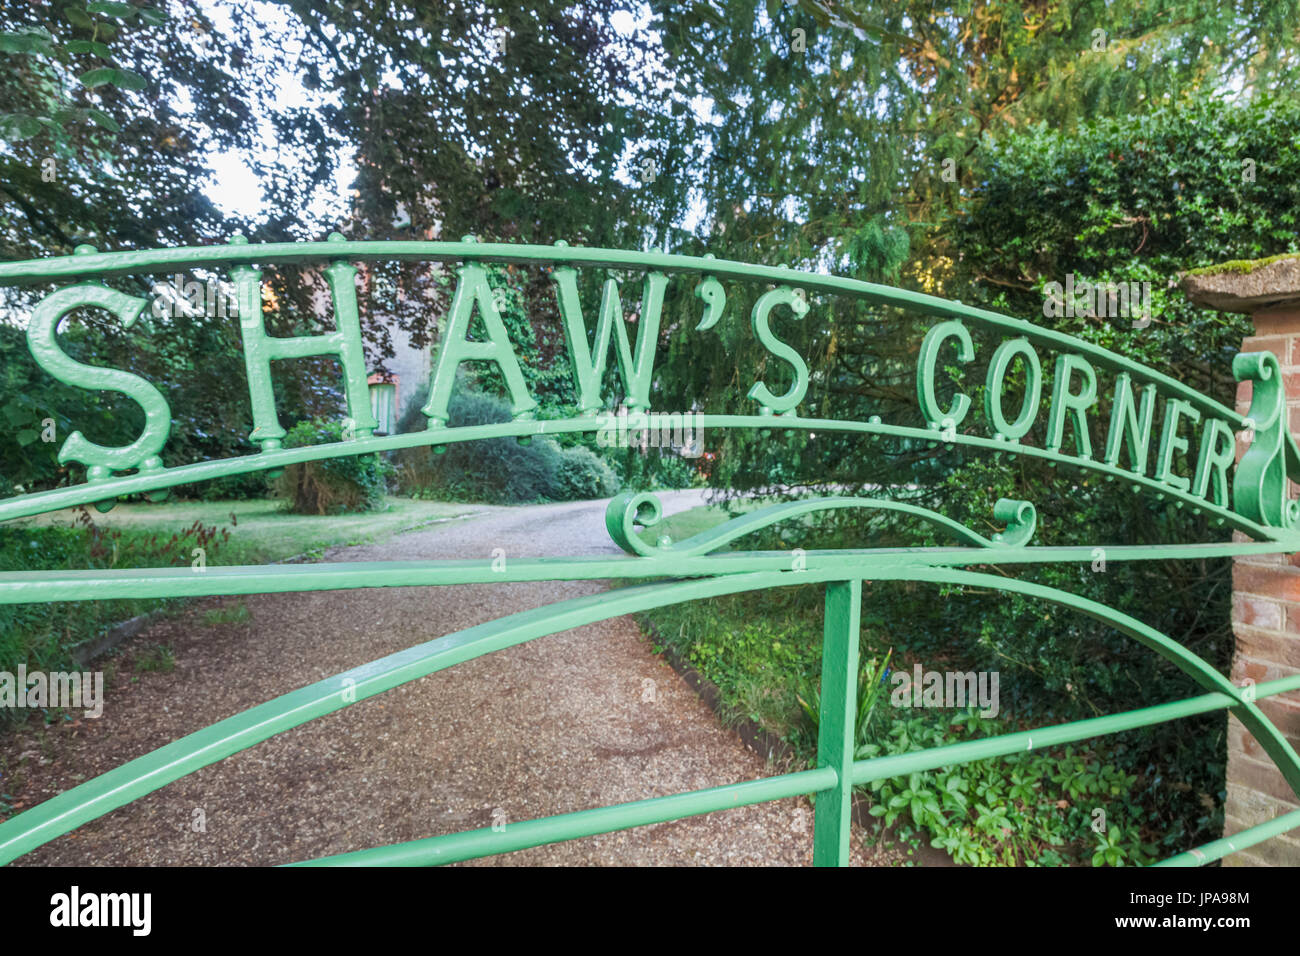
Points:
(235, 189)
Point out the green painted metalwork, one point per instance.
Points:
(473, 291)
(1252, 498)
(835, 731)
(629, 509)
(102, 461)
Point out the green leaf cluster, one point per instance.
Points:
(1042, 808)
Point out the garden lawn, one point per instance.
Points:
(255, 531)
(262, 531)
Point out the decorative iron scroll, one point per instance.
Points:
(629, 509)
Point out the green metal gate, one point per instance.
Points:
(1250, 497)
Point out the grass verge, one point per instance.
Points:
(1060, 807)
(41, 636)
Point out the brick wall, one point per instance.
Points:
(1266, 622)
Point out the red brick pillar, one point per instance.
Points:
(1266, 588)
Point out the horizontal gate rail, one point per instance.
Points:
(42, 502)
(21, 587)
(471, 844)
(1218, 849)
(91, 800)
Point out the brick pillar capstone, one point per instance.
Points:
(1266, 588)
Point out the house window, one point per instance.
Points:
(383, 406)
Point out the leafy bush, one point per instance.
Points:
(156, 657)
(654, 469)
(1028, 809)
(583, 475)
(349, 484)
(196, 362)
(230, 488)
(499, 470)
(763, 651)
(33, 406)
(1137, 199)
(42, 636)
(871, 684)
(1134, 200)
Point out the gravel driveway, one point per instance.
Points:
(576, 720)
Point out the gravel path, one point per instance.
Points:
(559, 724)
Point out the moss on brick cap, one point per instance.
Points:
(1245, 285)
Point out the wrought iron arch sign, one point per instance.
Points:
(1250, 496)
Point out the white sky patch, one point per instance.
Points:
(626, 23)
(234, 187)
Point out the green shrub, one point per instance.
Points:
(495, 470)
(230, 488)
(349, 484)
(156, 657)
(763, 651)
(872, 677)
(583, 475)
(1040, 808)
(1122, 200)
(42, 636)
(196, 362)
(33, 407)
(237, 613)
(499, 470)
(654, 469)
(1133, 199)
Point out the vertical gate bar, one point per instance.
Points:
(837, 724)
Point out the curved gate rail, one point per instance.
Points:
(1255, 502)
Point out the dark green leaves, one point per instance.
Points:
(122, 11)
(78, 17)
(69, 114)
(89, 46)
(28, 40)
(15, 127)
(125, 79)
(100, 118)
(49, 52)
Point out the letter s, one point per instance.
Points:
(42, 339)
(784, 295)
